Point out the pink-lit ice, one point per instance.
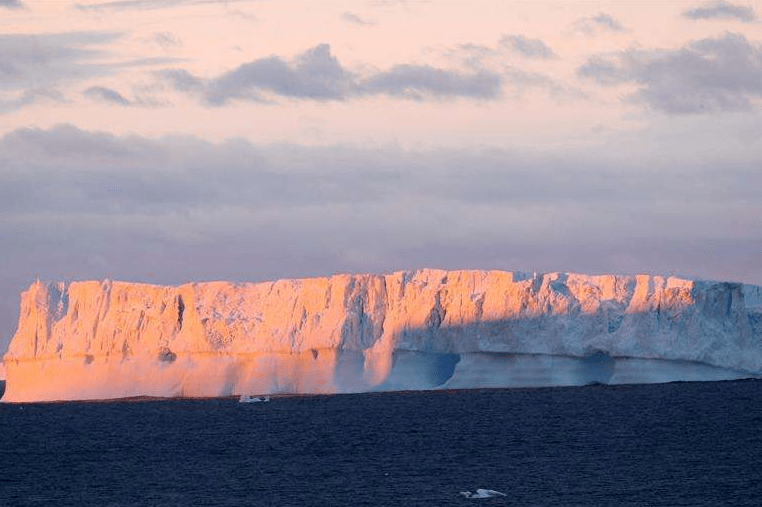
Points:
(406, 330)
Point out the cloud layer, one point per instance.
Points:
(705, 76)
(109, 183)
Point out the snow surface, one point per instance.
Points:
(348, 333)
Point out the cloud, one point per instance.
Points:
(418, 82)
(167, 40)
(144, 62)
(318, 75)
(44, 60)
(714, 74)
(475, 56)
(601, 21)
(12, 4)
(498, 78)
(113, 97)
(722, 10)
(36, 67)
(315, 74)
(14, 101)
(108, 95)
(527, 47)
(518, 81)
(123, 5)
(80, 173)
(354, 19)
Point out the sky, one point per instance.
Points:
(168, 141)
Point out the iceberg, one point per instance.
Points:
(482, 493)
(253, 399)
(419, 329)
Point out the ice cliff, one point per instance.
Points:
(412, 329)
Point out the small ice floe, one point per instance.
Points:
(482, 493)
(253, 399)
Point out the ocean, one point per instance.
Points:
(684, 443)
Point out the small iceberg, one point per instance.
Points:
(253, 399)
(482, 493)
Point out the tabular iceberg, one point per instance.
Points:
(348, 333)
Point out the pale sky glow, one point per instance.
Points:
(175, 140)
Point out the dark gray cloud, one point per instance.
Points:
(528, 47)
(318, 75)
(79, 204)
(123, 5)
(721, 10)
(600, 22)
(12, 4)
(715, 74)
(354, 19)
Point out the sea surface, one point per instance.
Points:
(687, 443)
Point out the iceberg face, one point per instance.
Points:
(406, 330)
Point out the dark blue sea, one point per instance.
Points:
(660, 444)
